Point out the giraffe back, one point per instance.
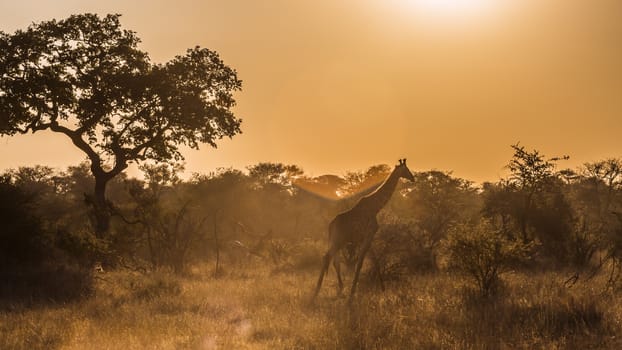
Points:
(351, 227)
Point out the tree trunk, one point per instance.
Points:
(526, 216)
(100, 207)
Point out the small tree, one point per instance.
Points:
(84, 77)
(483, 253)
(531, 173)
(172, 225)
(598, 198)
(436, 200)
(603, 180)
(360, 182)
(276, 174)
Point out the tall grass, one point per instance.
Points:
(263, 307)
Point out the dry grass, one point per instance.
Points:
(258, 308)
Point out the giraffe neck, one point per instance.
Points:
(376, 200)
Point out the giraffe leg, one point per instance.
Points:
(377, 267)
(325, 264)
(337, 265)
(359, 264)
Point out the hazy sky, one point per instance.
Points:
(337, 85)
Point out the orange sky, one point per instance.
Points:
(336, 85)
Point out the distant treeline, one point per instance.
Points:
(567, 217)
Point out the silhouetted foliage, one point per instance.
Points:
(168, 224)
(361, 182)
(84, 77)
(597, 198)
(436, 200)
(531, 174)
(400, 250)
(483, 253)
(22, 240)
(273, 215)
(34, 265)
(278, 174)
(533, 205)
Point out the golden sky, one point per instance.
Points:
(336, 85)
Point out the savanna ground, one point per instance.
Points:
(260, 306)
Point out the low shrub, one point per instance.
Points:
(45, 283)
(483, 253)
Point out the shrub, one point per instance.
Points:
(32, 268)
(82, 247)
(400, 249)
(46, 283)
(483, 253)
(22, 240)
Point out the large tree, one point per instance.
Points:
(85, 77)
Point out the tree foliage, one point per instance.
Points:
(361, 182)
(279, 174)
(436, 200)
(273, 209)
(85, 77)
(532, 179)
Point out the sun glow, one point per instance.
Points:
(449, 8)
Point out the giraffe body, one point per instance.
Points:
(354, 229)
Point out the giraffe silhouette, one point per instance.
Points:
(356, 227)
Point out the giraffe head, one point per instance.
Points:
(403, 171)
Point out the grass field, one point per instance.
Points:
(261, 307)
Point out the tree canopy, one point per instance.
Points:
(86, 78)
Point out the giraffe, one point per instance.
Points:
(357, 226)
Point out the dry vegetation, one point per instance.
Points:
(229, 261)
(265, 308)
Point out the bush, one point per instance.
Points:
(46, 283)
(400, 249)
(32, 268)
(82, 247)
(483, 253)
(22, 240)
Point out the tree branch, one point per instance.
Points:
(80, 143)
